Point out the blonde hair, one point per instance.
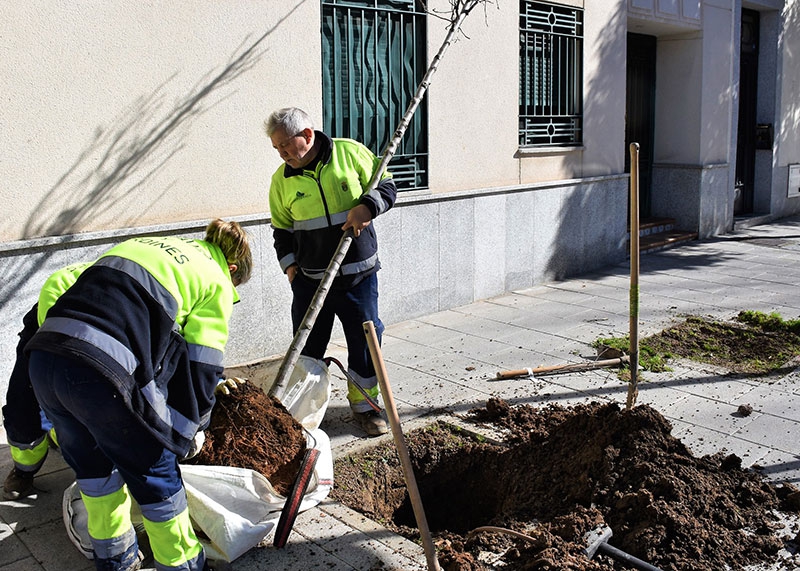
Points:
(233, 241)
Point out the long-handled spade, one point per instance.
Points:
(597, 542)
(400, 444)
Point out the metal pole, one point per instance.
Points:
(634, 288)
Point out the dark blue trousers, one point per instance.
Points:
(97, 432)
(352, 306)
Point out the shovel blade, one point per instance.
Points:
(595, 538)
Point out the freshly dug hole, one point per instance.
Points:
(560, 472)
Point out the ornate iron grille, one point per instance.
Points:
(551, 74)
(373, 58)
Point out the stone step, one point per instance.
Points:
(663, 240)
(660, 233)
(655, 226)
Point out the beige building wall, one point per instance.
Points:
(130, 114)
(474, 101)
(120, 114)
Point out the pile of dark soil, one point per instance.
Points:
(250, 429)
(559, 473)
(556, 474)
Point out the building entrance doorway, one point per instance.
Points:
(746, 134)
(640, 102)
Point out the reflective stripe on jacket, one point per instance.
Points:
(309, 207)
(151, 312)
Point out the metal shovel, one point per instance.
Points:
(597, 541)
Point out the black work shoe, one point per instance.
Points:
(129, 561)
(372, 422)
(18, 484)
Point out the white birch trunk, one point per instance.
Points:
(460, 11)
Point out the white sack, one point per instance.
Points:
(308, 392)
(235, 508)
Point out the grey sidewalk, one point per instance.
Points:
(449, 360)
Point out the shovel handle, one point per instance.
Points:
(623, 557)
(400, 443)
(572, 367)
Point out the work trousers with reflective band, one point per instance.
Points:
(29, 457)
(109, 520)
(353, 307)
(172, 539)
(109, 447)
(358, 402)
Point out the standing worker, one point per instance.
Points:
(29, 432)
(125, 365)
(319, 193)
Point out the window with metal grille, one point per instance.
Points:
(373, 58)
(550, 74)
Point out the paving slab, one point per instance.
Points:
(775, 400)
(780, 433)
(780, 466)
(449, 360)
(14, 550)
(708, 413)
(714, 384)
(702, 441)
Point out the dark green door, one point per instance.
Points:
(373, 57)
(640, 99)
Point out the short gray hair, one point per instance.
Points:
(292, 119)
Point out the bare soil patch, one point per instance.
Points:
(752, 344)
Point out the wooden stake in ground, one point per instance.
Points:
(633, 389)
(460, 10)
(400, 444)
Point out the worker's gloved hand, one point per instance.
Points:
(197, 445)
(225, 386)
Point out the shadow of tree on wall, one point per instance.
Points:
(128, 154)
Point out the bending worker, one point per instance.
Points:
(29, 432)
(320, 192)
(125, 365)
